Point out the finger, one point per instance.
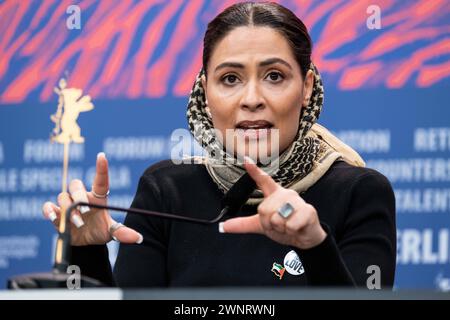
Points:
(274, 202)
(65, 201)
(127, 235)
(270, 204)
(78, 193)
(294, 223)
(278, 223)
(264, 181)
(101, 179)
(250, 224)
(51, 211)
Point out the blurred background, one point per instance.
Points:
(386, 71)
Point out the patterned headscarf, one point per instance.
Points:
(304, 154)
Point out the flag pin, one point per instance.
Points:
(278, 270)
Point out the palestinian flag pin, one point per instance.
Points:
(278, 270)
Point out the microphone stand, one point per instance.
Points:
(59, 277)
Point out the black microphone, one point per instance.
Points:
(232, 201)
(238, 194)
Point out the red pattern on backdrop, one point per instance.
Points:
(138, 49)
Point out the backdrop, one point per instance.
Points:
(385, 66)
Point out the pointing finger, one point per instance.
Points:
(264, 181)
(250, 224)
(101, 180)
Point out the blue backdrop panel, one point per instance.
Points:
(386, 93)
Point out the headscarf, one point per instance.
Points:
(306, 160)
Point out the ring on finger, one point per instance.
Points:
(114, 227)
(286, 210)
(100, 196)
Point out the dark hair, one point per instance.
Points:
(268, 14)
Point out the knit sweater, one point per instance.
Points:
(355, 205)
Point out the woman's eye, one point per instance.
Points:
(275, 76)
(229, 79)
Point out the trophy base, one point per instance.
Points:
(49, 280)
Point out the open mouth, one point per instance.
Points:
(254, 125)
(254, 129)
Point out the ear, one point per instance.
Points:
(307, 87)
(208, 112)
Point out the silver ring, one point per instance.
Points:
(114, 227)
(99, 196)
(286, 210)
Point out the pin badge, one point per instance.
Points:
(293, 264)
(278, 270)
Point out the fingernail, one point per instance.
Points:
(80, 195)
(101, 154)
(141, 238)
(52, 215)
(221, 227)
(248, 160)
(77, 221)
(84, 209)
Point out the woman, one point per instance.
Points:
(318, 218)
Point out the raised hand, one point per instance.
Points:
(90, 226)
(300, 229)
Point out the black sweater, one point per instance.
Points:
(355, 205)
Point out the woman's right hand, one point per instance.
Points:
(93, 225)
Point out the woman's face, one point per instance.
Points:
(255, 92)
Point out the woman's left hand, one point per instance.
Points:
(301, 229)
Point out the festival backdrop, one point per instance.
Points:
(385, 66)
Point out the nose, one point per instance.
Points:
(252, 99)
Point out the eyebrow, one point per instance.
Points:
(261, 64)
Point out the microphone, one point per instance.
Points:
(238, 194)
(232, 201)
